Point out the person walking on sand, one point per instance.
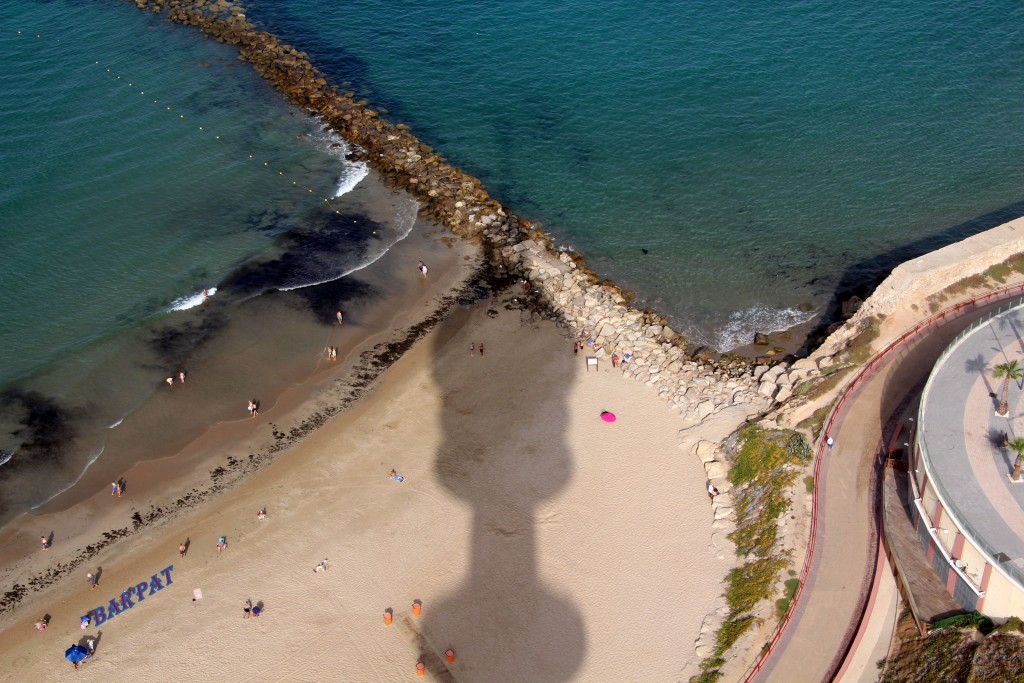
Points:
(113, 488)
(41, 624)
(120, 489)
(247, 609)
(481, 348)
(182, 549)
(90, 646)
(252, 407)
(44, 542)
(423, 268)
(222, 543)
(339, 317)
(91, 578)
(181, 376)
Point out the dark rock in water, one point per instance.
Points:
(703, 352)
(851, 306)
(760, 339)
(644, 250)
(805, 307)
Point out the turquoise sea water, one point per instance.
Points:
(732, 164)
(761, 153)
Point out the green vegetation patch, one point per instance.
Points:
(998, 658)
(1012, 625)
(783, 603)
(972, 619)
(861, 350)
(764, 452)
(954, 654)
(765, 464)
(942, 656)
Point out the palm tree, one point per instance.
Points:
(1018, 447)
(1007, 371)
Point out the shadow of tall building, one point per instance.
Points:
(504, 453)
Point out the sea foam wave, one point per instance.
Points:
(405, 219)
(739, 330)
(183, 303)
(353, 171)
(92, 458)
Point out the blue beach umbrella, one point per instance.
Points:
(75, 654)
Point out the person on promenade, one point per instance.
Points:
(182, 550)
(831, 442)
(91, 578)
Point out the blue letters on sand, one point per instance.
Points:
(123, 602)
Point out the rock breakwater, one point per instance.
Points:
(593, 309)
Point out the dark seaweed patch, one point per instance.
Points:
(335, 241)
(45, 432)
(173, 344)
(326, 299)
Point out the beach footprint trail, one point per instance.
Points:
(504, 452)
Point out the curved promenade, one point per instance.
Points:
(814, 639)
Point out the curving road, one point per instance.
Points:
(832, 600)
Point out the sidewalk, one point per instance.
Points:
(814, 644)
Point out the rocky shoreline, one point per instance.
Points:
(696, 386)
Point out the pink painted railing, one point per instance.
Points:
(870, 366)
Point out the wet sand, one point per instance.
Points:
(544, 543)
(198, 437)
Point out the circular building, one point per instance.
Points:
(967, 511)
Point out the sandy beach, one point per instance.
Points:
(544, 543)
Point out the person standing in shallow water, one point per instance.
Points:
(339, 317)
